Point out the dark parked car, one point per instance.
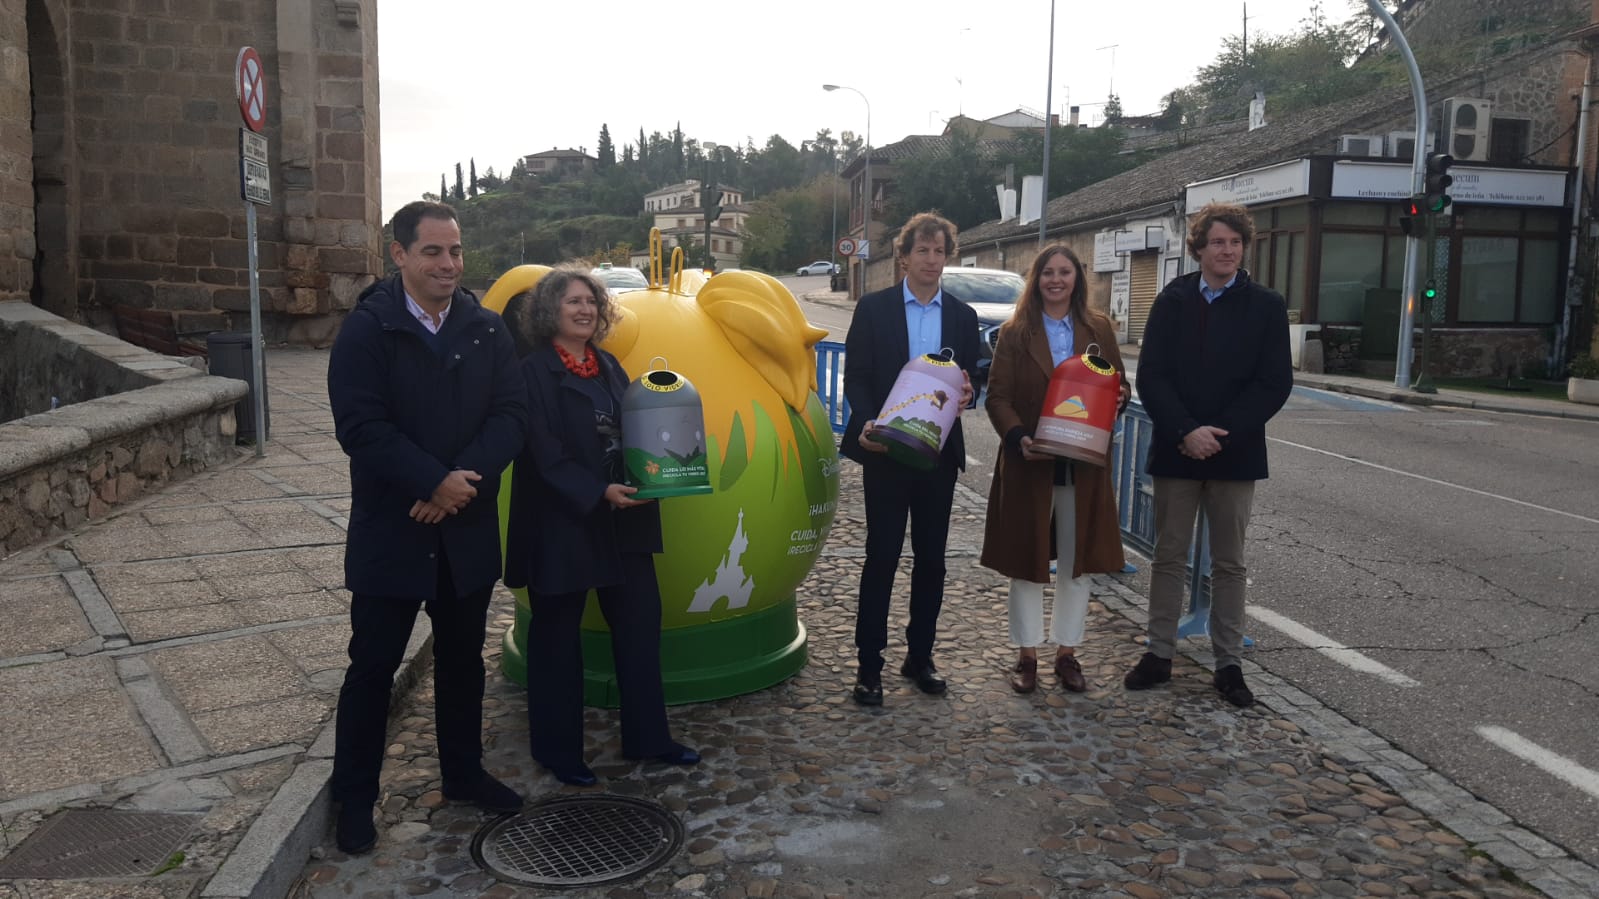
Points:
(992, 294)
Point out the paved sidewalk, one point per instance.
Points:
(185, 655)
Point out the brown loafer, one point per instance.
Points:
(1024, 677)
(1070, 674)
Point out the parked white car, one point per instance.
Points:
(819, 267)
(621, 280)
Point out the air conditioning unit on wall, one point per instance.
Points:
(1465, 128)
(1402, 144)
(1360, 145)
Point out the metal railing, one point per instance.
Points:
(830, 383)
(1135, 506)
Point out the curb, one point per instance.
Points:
(274, 851)
(1395, 395)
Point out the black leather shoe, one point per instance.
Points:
(487, 794)
(576, 774)
(868, 692)
(678, 755)
(1150, 670)
(354, 832)
(925, 676)
(1229, 682)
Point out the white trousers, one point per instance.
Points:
(1026, 602)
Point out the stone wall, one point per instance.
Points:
(61, 468)
(127, 143)
(70, 489)
(1453, 352)
(50, 360)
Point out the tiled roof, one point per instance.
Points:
(924, 145)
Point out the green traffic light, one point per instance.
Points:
(1430, 291)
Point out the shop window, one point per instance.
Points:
(1509, 140)
(1540, 281)
(1487, 279)
(1393, 270)
(1350, 264)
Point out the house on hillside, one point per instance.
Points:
(676, 210)
(1327, 190)
(558, 163)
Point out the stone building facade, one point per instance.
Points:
(119, 159)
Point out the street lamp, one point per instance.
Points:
(866, 205)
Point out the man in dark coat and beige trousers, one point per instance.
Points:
(1214, 368)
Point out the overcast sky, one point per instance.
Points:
(495, 80)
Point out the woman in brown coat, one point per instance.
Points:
(1041, 507)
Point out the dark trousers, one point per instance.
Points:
(380, 627)
(555, 667)
(894, 492)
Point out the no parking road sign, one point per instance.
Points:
(249, 83)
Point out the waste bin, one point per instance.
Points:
(229, 353)
(839, 282)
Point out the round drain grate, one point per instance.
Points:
(579, 841)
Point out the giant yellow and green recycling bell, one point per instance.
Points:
(734, 557)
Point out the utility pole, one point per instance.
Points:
(1049, 100)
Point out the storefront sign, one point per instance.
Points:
(1129, 241)
(1274, 182)
(1503, 187)
(1105, 258)
(1121, 300)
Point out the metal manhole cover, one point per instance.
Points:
(83, 843)
(579, 841)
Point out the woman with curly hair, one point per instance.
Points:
(575, 527)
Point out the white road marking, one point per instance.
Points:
(1584, 779)
(1325, 645)
(1421, 477)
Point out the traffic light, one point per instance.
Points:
(1430, 292)
(1438, 181)
(1410, 220)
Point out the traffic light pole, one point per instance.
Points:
(1429, 297)
(1418, 165)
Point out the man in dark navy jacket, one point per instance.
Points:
(1214, 368)
(429, 405)
(889, 328)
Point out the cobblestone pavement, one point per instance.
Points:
(184, 656)
(977, 793)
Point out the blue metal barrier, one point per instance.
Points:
(830, 383)
(1135, 502)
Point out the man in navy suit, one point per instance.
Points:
(890, 327)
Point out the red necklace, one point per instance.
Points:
(588, 368)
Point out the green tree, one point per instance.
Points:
(1113, 109)
(460, 185)
(444, 187)
(606, 149)
(472, 185)
(956, 181)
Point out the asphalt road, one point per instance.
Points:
(1430, 574)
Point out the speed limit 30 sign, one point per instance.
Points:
(846, 246)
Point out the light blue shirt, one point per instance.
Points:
(1210, 294)
(924, 323)
(1060, 338)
